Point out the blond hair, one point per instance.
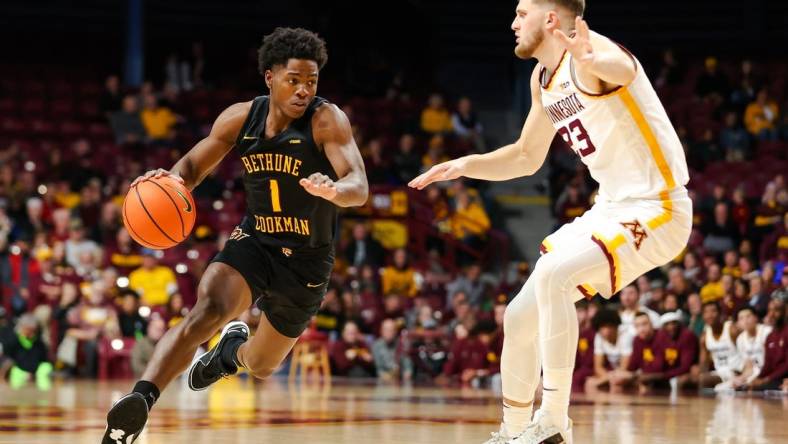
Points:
(576, 7)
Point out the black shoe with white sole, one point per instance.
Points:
(126, 419)
(210, 367)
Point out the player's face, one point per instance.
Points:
(643, 327)
(293, 86)
(671, 328)
(710, 314)
(747, 320)
(609, 332)
(629, 297)
(528, 27)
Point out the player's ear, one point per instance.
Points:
(269, 78)
(552, 21)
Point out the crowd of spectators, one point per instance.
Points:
(74, 281)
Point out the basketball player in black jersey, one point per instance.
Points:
(300, 162)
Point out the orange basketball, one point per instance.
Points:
(159, 213)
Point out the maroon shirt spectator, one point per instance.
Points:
(571, 205)
(644, 356)
(124, 256)
(775, 366)
(350, 355)
(473, 356)
(675, 346)
(584, 359)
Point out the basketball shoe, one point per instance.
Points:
(126, 419)
(210, 367)
(499, 437)
(543, 431)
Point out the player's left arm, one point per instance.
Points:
(331, 130)
(597, 56)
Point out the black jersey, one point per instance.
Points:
(278, 210)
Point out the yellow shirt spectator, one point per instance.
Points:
(435, 118)
(471, 220)
(469, 217)
(154, 283)
(157, 120)
(761, 114)
(399, 278)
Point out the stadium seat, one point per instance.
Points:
(114, 363)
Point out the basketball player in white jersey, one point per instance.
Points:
(596, 96)
(718, 346)
(751, 345)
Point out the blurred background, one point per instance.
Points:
(95, 93)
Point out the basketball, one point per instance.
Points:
(159, 213)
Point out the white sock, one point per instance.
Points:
(557, 385)
(516, 418)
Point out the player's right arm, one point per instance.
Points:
(192, 168)
(521, 158)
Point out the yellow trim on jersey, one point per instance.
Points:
(589, 289)
(547, 245)
(667, 212)
(659, 158)
(648, 135)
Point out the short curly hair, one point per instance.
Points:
(605, 317)
(291, 43)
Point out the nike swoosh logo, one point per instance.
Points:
(314, 285)
(188, 208)
(250, 138)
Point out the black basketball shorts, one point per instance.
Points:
(287, 285)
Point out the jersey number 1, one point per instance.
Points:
(576, 129)
(275, 205)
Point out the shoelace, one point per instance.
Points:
(499, 437)
(529, 429)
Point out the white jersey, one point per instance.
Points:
(624, 136)
(613, 352)
(753, 348)
(722, 350)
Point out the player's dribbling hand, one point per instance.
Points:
(578, 45)
(443, 171)
(319, 185)
(156, 174)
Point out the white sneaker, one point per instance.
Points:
(499, 437)
(542, 431)
(725, 387)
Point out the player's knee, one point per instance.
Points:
(551, 276)
(207, 316)
(514, 319)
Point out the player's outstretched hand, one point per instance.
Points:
(319, 185)
(443, 171)
(156, 174)
(579, 45)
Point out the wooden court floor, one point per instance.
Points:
(238, 411)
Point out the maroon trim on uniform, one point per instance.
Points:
(583, 291)
(546, 85)
(609, 262)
